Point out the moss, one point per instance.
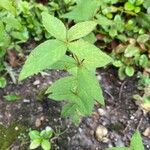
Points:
(10, 134)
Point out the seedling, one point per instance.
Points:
(41, 138)
(81, 88)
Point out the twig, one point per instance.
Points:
(109, 94)
(141, 120)
(121, 89)
(126, 128)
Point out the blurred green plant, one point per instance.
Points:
(12, 97)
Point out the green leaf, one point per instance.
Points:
(132, 1)
(34, 134)
(46, 145)
(4, 39)
(129, 71)
(12, 22)
(69, 109)
(129, 6)
(66, 89)
(91, 38)
(8, 5)
(131, 51)
(144, 61)
(88, 84)
(81, 90)
(143, 19)
(121, 73)
(12, 97)
(139, 2)
(80, 30)
(35, 144)
(54, 26)
(84, 10)
(62, 89)
(143, 38)
(118, 23)
(65, 63)
(3, 82)
(42, 57)
(118, 63)
(93, 57)
(113, 32)
(46, 134)
(137, 9)
(104, 22)
(136, 141)
(22, 36)
(146, 4)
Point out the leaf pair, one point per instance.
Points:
(51, 51)
(57, 29)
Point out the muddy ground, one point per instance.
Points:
(120, 117)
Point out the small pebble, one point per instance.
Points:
(37, 82)
(101, 132)
(80, 130)
(147, 132)
(50, 82)
(101, 112)
(99, 77)
(132, 117)
(119, 143)
(39, 121)
(105, 140)
(44, 74)
(92, 132)
(16, 128)
(42, 118)
(26, 101)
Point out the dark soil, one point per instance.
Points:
(121, 116)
